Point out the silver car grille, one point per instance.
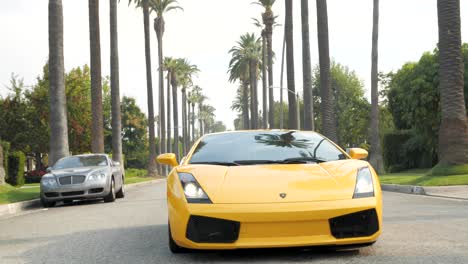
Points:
(74, 179)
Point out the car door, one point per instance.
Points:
(117, 172)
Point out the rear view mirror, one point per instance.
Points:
(168, 159)
(358, 153)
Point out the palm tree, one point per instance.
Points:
(327, 109)
(292, 111)
(307, 68)
(186, 72)
(152, 166)
(247, 57)
(97, 131)
(115, 89)
(239, 70)
(169, 66)
(264, 76)
(376, 151)
(160, 7)
(58, 143)
(453, 134)
(269, 20)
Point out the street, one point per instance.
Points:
(417, 229)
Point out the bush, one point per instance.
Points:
(6, 151)
(443, 170)
(394, 157)
(34, 176)
(16, 161)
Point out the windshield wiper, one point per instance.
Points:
(253, 162)
(298, 160)
(220, 163)
(302, 160)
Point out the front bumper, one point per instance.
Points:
(86, 190)
(274, 225)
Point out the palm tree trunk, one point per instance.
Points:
(200, 120)
(58, 143)
(97, 131)
(268, 20)
(193, 122)
(184, 121)
(245, 105)
(115, 89)
(376, 151)
(327, 104)
(292, 111)
(253, 81)
(152, 166)
(453, 133)
(307, 68)
(264, 82)
(169, 125)
(159, 28)
(2, 169)
(176, 116)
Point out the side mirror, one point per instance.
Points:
(48, 170)
(168, 159)
(116, 163)
(358, 153)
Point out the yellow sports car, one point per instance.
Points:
(271, 188)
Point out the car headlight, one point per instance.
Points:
(48, 181)
(364, 185)
(97, 176)
(192, 189)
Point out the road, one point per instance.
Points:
(417, 229)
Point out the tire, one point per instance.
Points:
(111, 196)
(47, 204)
(175, 249)
(121, 192)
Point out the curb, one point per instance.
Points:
(15, 208)
(130, 186)
(409, 189)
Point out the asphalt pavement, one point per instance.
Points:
(417, 229)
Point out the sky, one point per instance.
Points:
(206, 30)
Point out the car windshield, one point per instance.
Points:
(263, 147)
(80, 161)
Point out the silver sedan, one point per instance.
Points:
(80, 177)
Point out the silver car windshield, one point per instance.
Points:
(80, 161)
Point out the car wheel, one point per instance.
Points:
(47, 204)
(121, 192)
(176, 249)
(111, 196)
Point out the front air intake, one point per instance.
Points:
(359, 224)
(201, 229)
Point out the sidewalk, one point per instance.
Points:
(455, 192)
(16, 208)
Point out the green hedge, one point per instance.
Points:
(16, 162)
(394, 154)
(6, 151)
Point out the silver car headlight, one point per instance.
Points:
(48, 181)
(364, 185)
(192, 189)
(97, 176)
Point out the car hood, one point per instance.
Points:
(76, 171)
(268, 183)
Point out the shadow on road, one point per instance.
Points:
(148, 244)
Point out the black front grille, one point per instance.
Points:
(75, 179)
(73, 193)
(65, 180)
(96, 190)
(201, 229)
(51, 194)
(359, 224)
